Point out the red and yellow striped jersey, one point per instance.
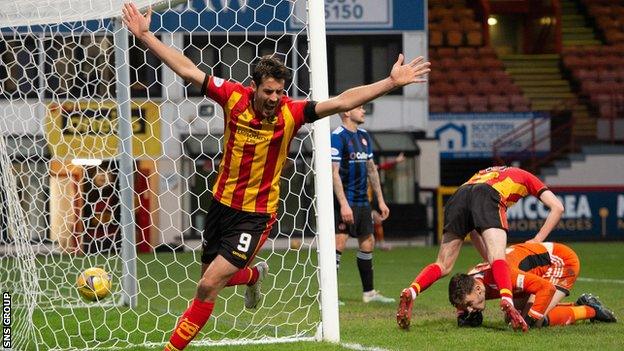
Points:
(510, 182)
(536, 268)
(254, 148)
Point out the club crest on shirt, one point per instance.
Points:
(364, 142)
(218, 82)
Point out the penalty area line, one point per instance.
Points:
(593, 280)
(353, 346)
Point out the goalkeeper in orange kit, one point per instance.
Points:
(542, 275)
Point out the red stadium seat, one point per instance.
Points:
(442, 88)
(448, 63)
(436, 76)
(446, 52)
(466, 51)
(499, 103)
(519, 103)
(474, 38)
(500, 77)
(586, 75)
(507, 88)
(436, 38)
(457, 103)
(437, 104)
(492, 63)
(478, 103)
(449, 25)
(468, 24)
(487, 51)
(607, 76)
(463, 13)
(458, 76)
(464, 87)
(485, 88)
(454, 38)
(575, 63)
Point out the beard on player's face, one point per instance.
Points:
(267, 96)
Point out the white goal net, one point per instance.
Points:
(85, 184)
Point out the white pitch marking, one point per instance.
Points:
(616, 281)
(359, 347)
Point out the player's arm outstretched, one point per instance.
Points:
(402, 74)
(138, 24)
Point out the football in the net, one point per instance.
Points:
(94, 284)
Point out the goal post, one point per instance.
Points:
(323, 179)
(107, 160)
(125, 155)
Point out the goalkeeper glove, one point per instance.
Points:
(469, 319)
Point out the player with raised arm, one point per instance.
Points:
(542, 275)
(479, 206)
(260, 122)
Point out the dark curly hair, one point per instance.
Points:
(460, 286)
(270, 66)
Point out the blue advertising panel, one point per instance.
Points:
(591, 213)
(471, 135)
(272, 16)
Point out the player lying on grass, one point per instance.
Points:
(542, 275)
(479, 208)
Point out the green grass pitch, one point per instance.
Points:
(371, 326)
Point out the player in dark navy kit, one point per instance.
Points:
(353, 168)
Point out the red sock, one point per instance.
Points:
(190, 324)
(564, 315)
(502, 277)
(426, 277)
(247, 275)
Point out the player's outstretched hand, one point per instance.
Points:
(137, 23)
(411, 72)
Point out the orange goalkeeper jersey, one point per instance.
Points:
(536, 268)
(510, 182)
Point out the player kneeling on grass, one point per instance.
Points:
(542, 275)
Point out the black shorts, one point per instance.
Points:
(362, 221)
(474, 207)
(235, 235)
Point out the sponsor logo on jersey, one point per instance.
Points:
(238, 254)
(358, 155)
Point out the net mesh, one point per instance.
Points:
(60, 208)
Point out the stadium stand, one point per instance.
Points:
(470, 76)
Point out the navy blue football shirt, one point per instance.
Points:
(352, 150)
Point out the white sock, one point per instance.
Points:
(414, 294)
